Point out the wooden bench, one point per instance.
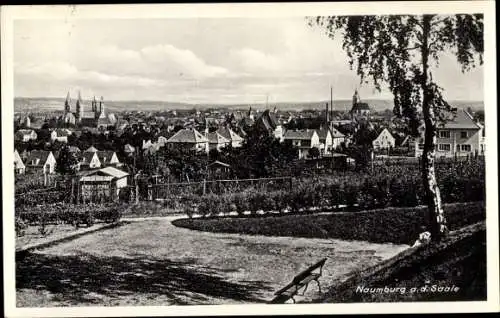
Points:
(301, 280)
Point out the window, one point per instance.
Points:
(463, 134)
(444, 147)
(421, 146)
(465, 148)
(444, 134)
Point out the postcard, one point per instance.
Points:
(249, 159)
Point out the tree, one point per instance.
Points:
(314, 152)
(401, 50)
(67, 162)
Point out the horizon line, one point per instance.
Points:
(235, 103)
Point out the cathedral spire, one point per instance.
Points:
(79, 106)
(67, 104)
(355, 97)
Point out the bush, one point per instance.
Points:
(396, 225)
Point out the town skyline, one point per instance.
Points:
(198, 61)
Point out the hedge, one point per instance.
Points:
(396, 225)
(406, 191)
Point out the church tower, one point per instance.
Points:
(67, 104)
(79, 107)
(355, 98)
(102, 113)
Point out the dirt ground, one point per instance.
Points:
(152, 262)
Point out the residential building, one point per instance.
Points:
(129, 149)
(337, 137)
(91, 149)
(19, 167)
(90, 160)
(217, 141)
(25, 135)
(108, 158)
(326, 140)
(189, 138)
(384, 140)
(60, 135)
(267, 122)
(228, 133)
(303, 139)
(162, 141)
(41, 160)
(457, 136)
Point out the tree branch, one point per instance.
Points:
(413, 48)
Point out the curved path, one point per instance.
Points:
(149, 261)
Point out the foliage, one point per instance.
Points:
(76, 214)
(67, 162)
(395, 225)
(400, 50)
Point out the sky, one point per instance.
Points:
(208, 60)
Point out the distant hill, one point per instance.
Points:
(47, 104)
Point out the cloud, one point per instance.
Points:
(167, 56)
(162, 61)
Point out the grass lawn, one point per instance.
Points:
(155, 263)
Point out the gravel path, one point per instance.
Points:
(151, 262)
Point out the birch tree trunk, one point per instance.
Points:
(436, 219)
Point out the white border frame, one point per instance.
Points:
(10, 13)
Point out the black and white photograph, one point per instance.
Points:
(291, 158)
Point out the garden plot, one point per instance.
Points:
(152, 262)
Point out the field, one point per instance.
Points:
(153, 262)
(397, 225)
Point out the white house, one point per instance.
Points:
(25, 135)
(337, 137)
(41, 160)
(303, 139)
(228, 133)
(19, 167)
(460, 136)
(384, 140)
(162, 141)
(326, 140)
(189, 138)
(90, 160)
(60, 135)
(129, 149)
(108, 158)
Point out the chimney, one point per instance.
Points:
(326, 114)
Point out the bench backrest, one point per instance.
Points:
(297, 279)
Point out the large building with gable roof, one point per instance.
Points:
(459, 136)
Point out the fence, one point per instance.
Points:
(37, 182)
(414, 161)
(163, 191)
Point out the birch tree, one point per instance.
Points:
(400, 51)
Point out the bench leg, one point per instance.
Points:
(319, 286)
(305, 289)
